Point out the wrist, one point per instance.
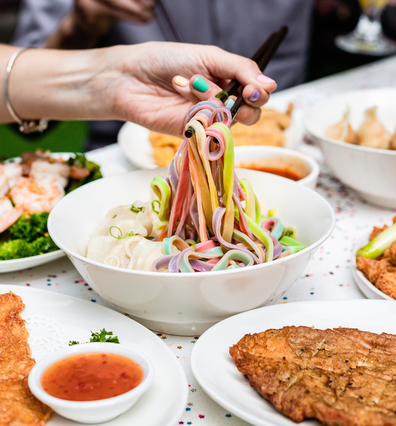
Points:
(54, 84)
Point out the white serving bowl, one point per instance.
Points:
(188, 303)
(370, 172)
(91, 412)
(279, 158)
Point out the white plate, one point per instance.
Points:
(366, 287)
(33, 261)
(54, 319)
(216, 372)
(135, 144)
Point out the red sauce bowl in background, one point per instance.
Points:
(280, 161)
(127, 361)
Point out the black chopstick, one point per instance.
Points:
(262, 57)
(172, 26)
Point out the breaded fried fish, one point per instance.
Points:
(341, 377)
(18, 406)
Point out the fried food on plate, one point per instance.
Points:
(18, 406)
(381, 271)
(341, 377)
(269, 130)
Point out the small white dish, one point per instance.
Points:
(91, 412)
(365, 286)
(258, 156)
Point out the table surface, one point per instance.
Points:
(328, 275)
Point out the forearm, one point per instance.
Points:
(64, 85)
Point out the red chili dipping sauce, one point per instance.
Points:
(92, 376)
(284, 172)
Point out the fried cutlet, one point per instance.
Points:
(341, 377)
(18, 406)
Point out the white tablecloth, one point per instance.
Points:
(328, 275)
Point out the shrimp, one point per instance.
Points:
(36, 197)
(43, 172)
(9, 174)
(8, 214)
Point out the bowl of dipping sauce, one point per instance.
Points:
(91, 382)
(283, 162)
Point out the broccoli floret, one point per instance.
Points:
(28, 236)
(43, 245)
(80, 160)
(14, 249)
(29, 228)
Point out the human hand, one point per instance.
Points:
(92, 19)
(140, 86)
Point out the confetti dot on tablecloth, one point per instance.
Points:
(56, 283)
(164, 337)
(196, 337)
(159, 334)
(201, 416)
(285, 298)
(331, 273)
(75, 282)
(28, 284)
(312, 292)
(179, 347)
(190, 404)
(93, 300)
(341, 285)
(181, 423)
(188, 409)
(192, 341)
(325, 275)
(189, 423)
(90, 289)
(228, 415)
(48, 283)
(48, 279)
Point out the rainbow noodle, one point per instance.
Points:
(201, 201)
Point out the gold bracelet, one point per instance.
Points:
(24, 125)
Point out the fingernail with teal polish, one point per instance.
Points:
(200, 84)
(254, 96)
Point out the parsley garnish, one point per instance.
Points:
(99, 337)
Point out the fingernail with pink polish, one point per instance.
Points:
(254, 96)
(264, 79)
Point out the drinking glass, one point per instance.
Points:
(367, 38)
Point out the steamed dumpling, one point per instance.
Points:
(127, 221)
(372, 133)
(112, 251)
(145, 253)
(343, 131)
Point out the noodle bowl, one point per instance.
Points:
(186, 303)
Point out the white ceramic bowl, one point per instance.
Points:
(185, 303)
(370, 172)
(279, 158)
(365, 286)
(92, 411)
